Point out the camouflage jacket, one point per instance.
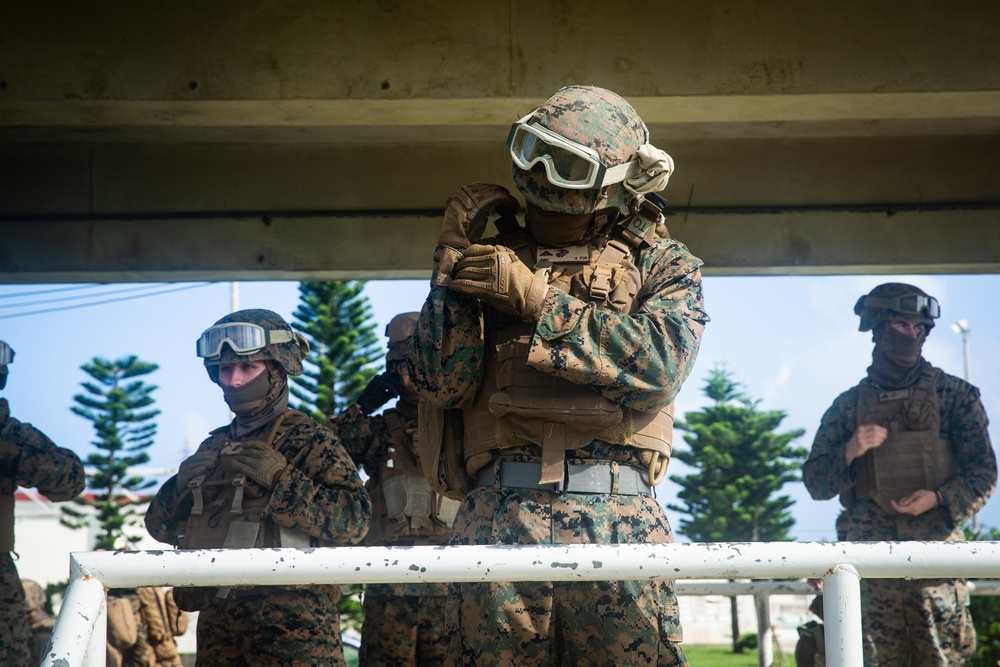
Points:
(366, 439)
(319, 493)
(638, 360)
(56, 472)
(363, 436)
(963, 424)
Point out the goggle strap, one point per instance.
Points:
(615, 174)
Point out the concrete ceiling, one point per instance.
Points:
(319, 139)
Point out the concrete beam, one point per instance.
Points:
(387, 246)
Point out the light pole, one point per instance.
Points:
(962, 327)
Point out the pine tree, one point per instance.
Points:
(118, 406)
(740, 464)
(336, 318)
(344, 349)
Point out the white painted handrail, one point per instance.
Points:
(81, 622)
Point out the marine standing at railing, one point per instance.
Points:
(272, 478)
(563, 344)
(29, 459)
(909, 453)
(404, 623)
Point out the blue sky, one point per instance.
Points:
(790, 341)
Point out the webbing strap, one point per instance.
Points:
(609, 478)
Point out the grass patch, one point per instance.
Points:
(723, 656)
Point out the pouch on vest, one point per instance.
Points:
(439, 441)
(550, 411)
(913, 456)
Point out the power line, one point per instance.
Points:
(106, 301)
(80, 296)
(15, 295)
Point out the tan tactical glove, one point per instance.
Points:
(260, 463)
(495, 275)
(467, 212)
(194, 466)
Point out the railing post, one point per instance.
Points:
(765, 633)
(842, 617)
(82, 627)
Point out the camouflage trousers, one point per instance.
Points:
(403, 630)
(916, 623)
(284, 628)
(15, 632)
(584, 624)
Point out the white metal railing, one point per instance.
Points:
(79, 636)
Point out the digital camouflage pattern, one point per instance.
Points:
(638, 360)
(403, 629)
(319, 494)
(587, 624)
(288, 355)
(593, 117)
(285, 628)
(936, 621)
(403, 623)
(56, 473)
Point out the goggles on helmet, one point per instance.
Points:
(6, 354)
(567, 164)
(909, 304)
(242, 337)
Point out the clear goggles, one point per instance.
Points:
(242, 337)
(6, 354)
(567, 164)
(909, 304)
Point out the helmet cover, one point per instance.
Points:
(287, 355)
(399, 330)
(598, 119)
(885, 301)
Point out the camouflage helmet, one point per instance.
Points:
(890, 300)
(34, 596)
(399, 330)
(597, 119)
(6, 357)
(252, 335)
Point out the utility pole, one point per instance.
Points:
(962, 327)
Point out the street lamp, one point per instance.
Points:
(962, 327)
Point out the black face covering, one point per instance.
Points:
(896, 360)
(556, 229)
(3, 378)
(257, 402)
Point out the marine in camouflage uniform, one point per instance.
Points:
(40, 621)
(28, 459)
(404, 623)
(564, 345)
(908, 451)
(272, 478)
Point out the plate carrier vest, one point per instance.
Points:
(405, 511)
(518, 405)
(913, 456)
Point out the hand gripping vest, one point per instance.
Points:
(227, 507)
(913, 456)
(405, 511)
(517, 404)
